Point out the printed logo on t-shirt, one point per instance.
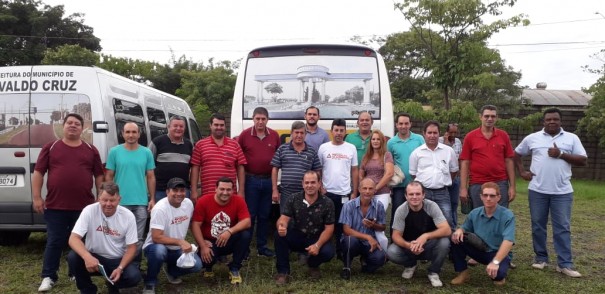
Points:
(338, 156)
(108, 231)
(219, 223)
(179, 219)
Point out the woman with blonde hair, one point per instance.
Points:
(377, 164)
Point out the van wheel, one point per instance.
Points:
(12, 238)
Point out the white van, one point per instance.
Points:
(340, 79)
(33, 102)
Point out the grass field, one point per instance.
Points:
(20, 266)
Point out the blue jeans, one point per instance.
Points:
(353, 247)
(442, 198)
(59, 224)
(454, 191)
(238, 245)
(398, 199)
(475, 192)
(258, 198)
(130, 276)
(158, 254)
(461, 250)
(162, 194)
(296, 240)
(560, 216)
(435, 250)
(337, 199)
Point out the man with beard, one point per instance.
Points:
(315, 135)
(215, 157)
(553, 152)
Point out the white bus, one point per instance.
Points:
(33, 102)
(341, 80)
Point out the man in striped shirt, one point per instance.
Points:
(216, 156)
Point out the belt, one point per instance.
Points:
(258, 176)
(438, 189)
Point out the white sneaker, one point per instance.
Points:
(539, 265)
(435, 281)
(569, 272)
(46, 285)
(408, 272)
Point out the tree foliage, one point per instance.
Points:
(452, 38)
(70, 55)
(593, 122)
(28, 28)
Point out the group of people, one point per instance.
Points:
(333, 194)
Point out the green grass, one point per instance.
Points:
(20, 266)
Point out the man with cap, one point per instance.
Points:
(165, 242)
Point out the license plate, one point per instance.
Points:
(8, 180)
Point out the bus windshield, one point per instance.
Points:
(340, 81)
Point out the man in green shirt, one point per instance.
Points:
(361, 138)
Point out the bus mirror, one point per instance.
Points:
(100, 127)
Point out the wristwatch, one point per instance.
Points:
(561, 152)
(496, 262)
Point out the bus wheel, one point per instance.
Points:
(12, 238)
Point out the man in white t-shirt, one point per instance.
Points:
(340, 173)
(165, 241)
(111, 238)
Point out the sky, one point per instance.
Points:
(561, 39)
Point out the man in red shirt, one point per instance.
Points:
(220, 227)
(214, 157)
(259, 144)
(489, 157)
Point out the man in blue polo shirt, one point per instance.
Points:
(315, 135)
(495, 225)
(553, 152)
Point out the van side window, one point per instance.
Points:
(195, 131)
(157, 122)
(129, 112)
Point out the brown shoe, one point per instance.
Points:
(500, 283)
(314, 273)
(281, 279)
(462, 277)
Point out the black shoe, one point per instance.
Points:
(339, 255)
(266, 252)
(345, 273)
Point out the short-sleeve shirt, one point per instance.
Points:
(293, 166)
(360, 144)
(130, 167)
(457, 146)
(310, 220)
(106, 236)
(433, 168)
(173, 221)
(70, 174)
(258, 152)
(374, 169)
(492, 230)
(352, 216)
(337, 161)
(171, 160)
(217, 161)
(217, 218)
(315, 139)
(487, 156)
(401, 150)
(415, 223)
(551, 175)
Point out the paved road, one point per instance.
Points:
(40, 135)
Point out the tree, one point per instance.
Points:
(28, 28)
(593, 122)
(70, 55)
(453, 37)
(275, 89)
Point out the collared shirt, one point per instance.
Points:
(217, 161)
(315, 139)
(258, 151)
(432, 168)
(551, 175)
(360, 144)
(311, 220)
(171, 159)
(352, 216)
(487, 156)
(401, 151)
(293, 165)
(492, 230)
(457, 146)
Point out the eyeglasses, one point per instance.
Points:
(490, 195)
